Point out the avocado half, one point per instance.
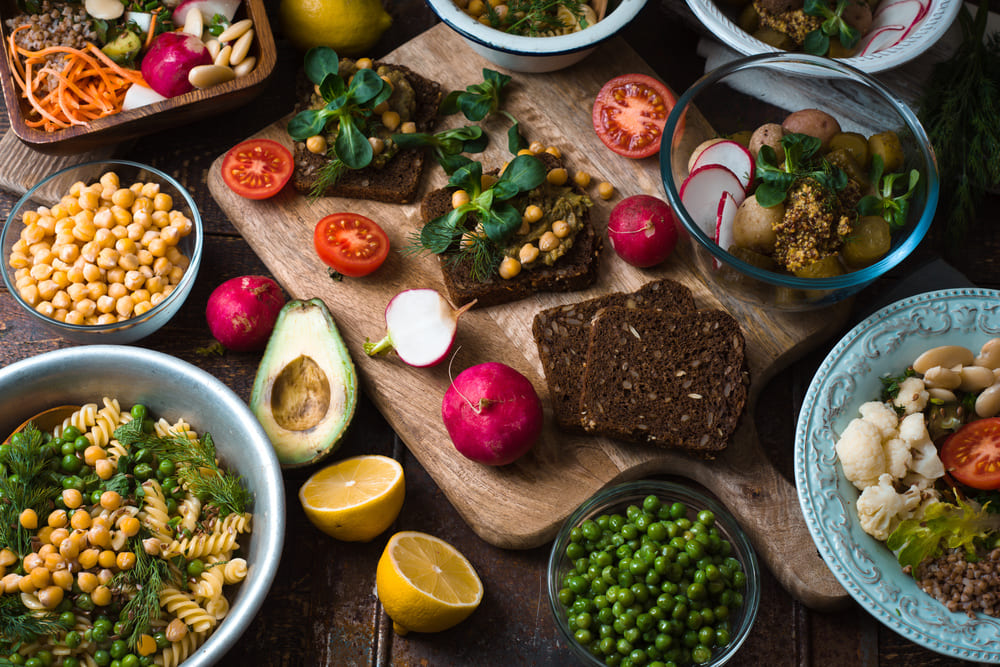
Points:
(306, 388)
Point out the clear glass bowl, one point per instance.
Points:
(616, 499)
(49, 192)
(717, 105)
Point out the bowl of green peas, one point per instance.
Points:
(651, 573)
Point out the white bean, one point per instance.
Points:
(194, 24)
(235, 31)
(975, 378)
(241, 48)
(213, 47)
(948, 356)
(988, 402)
(222, 60)
(989, 354)
(206, 76)
(942, 378)
(943, 395)
(246, 66)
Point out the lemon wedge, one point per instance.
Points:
(356, 499)
(425, 584)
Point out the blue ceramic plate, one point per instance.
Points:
(886, 342)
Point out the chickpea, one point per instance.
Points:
(111, 500)
(509, 268)
(528, 253)
(378, 145)
(364, 63)
(536, 147)
(560, 228)
(101, 596)
(532, 213)
(88, 558)
(391, 120)
(146, 645)
(582, 178)
(28, 519)
(459, 198)
(125, 560)
(548, 242)
(525, 151)
(176, 630)
(104, 468)
(63, 579)
(87, 581)
(557, 176)
(7, 557)
(476, 8)
(605, 190)
(72, 498)
(409, 127)
(553, 150)
(316, 144)
(57, 518)
(107, 558)
(50, 596)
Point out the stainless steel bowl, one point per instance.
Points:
(172, 389)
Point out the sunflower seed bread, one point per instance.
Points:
(399, 180)
(676, 380)
(562, 335)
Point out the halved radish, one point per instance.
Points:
(420, 325)
(724, 223)
(700, 194)
(732, 155)
(880, 39)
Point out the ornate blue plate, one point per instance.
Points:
(886, 342)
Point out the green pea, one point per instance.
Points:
(72, 639)
(71, 464)
(701, 654)
(678, 510)
(161, 640)
(99, 635)
(102, 657)
(70, 661)
(84, 602)
(71, 433)
(34, 662)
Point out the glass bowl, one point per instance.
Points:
(751, 91)
(616, 500)
(135, 264)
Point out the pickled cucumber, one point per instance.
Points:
(854, 143)
(753, 258)
(887, 146)
(828, 267)
(868, 242)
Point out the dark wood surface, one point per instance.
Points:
(322, 609)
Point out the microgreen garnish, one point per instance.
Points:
(218, 25)
(489, 207)
(448, 145)
(802, 160)
(817, 42)
(479, 100)
(535, 17)
(885, 202)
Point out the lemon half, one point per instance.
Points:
(349, 27)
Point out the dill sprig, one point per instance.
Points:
(19, 624)
(328, 176)
(959, 108)
(27, 485)
(535, 17)
(147, 579)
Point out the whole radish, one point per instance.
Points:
(241, 312)
(492, 413)
(642, 229)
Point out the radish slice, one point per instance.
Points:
(733, 156)
(881, 39)
(700, 194)
(209, 8)
(724, 224)
(420, 326)
(139, 96)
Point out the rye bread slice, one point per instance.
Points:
(573, 271)
(398, 181)
(675, 380)
(562, 335)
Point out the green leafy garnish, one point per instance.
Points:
(479, 100)
(885, 202)
(489, 207)
(802, 160)
(535, 18)
(942, 526)
(147, 578)
(28, 483)
(18, 624)
(217, 25)
(890, 384)
(817, 42)
(448, 145)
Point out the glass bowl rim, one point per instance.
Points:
(178, 292)
(805, 63)
(616, 494)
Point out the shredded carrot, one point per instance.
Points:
(151, 33)
(88, 84)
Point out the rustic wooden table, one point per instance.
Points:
(322, 608)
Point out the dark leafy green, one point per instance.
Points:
(448, 145)
(886, 203)
(802, 160)
(479, 100)
(817, 42)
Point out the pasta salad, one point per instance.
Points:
(119, 536)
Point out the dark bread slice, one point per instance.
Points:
(562, 335)
(399, 180)
(676, 380)
(573, 271)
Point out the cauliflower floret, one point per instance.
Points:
(897, 456)
(881, 508)
(860, 452)
(881, 416)
(913, 429)
(926, 466)
(912, 396)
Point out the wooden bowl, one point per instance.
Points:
(147, 119)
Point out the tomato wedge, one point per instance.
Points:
(972, 454)
(257, 168)
(351, 244)
(629, 114)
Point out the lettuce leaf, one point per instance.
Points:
(943, 525)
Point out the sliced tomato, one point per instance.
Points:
(629, 114)
(257, 168)
(972, 454)
(350, 243)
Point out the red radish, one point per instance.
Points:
(733, 156)
(881, 39)
(420, 325)
(724, 222)
(208, 9)
(170, 57)
(642, 229)
(242, 311)
(700, 194)
(492, 413)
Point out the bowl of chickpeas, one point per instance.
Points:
(102, 252)
(653, 572)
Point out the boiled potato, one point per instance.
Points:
(753, 226)
(769, 134)
(858, 14)
(813, 122)
(886, 145)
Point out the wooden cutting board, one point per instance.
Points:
(523, 504)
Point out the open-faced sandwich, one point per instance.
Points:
(502, 237)
(347, 112)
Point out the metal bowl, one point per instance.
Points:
(49, 191)
(171, 389)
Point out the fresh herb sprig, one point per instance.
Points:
(18, 624)
(817, 42)
(27, 484)
(885, 202)
(959, 109)
(447, 145)
(479, 100)
(147, 578)
(802, 160)
(534, 17)
(489, 207)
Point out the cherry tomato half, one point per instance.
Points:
(972, 454)
(350, 243)
(257, 168)
(629, 114)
